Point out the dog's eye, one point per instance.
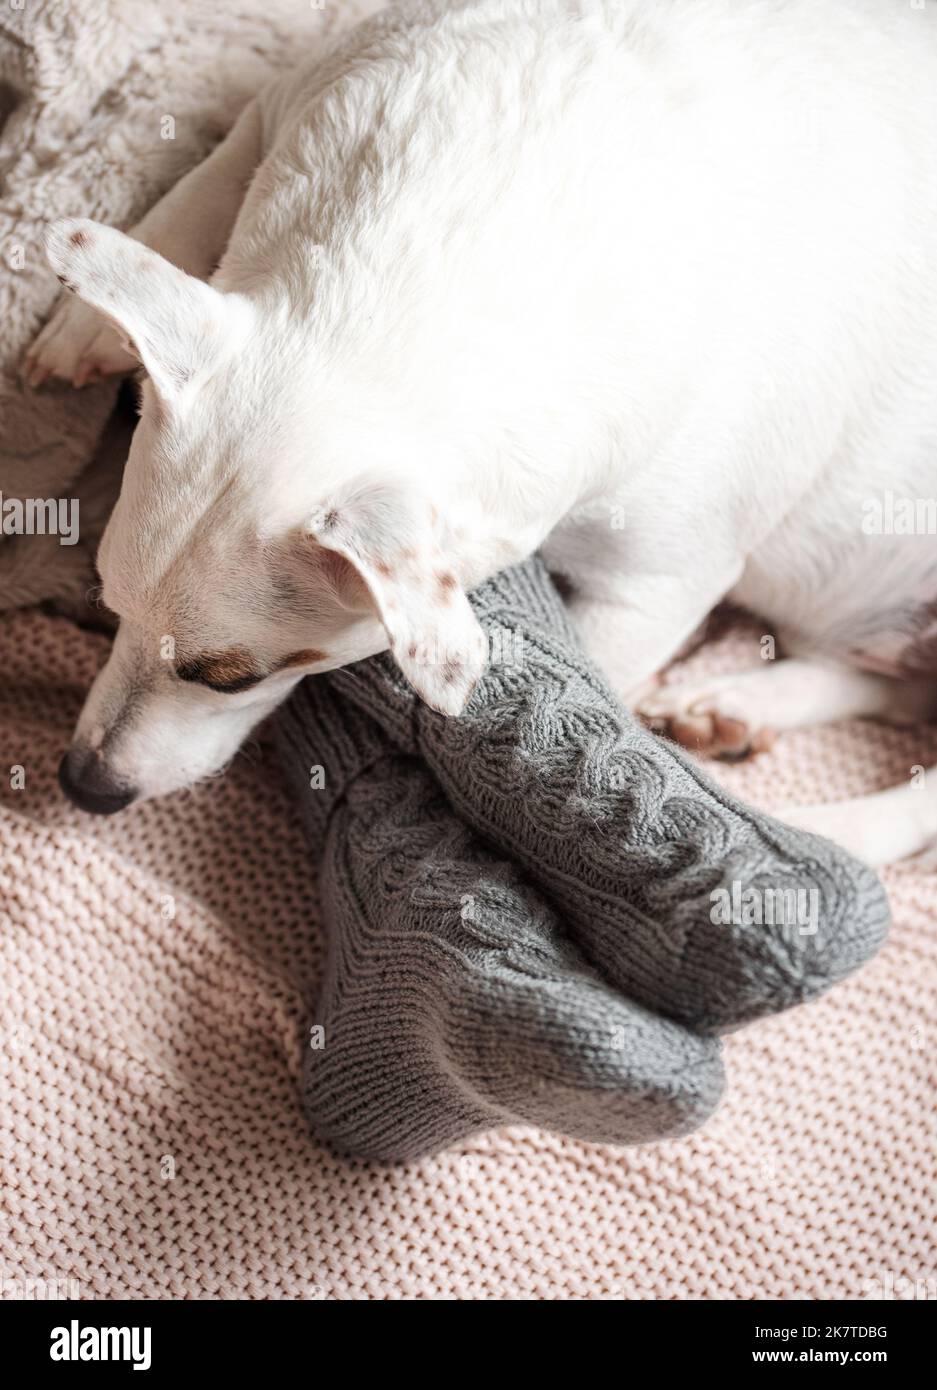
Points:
(233, 687)
(226, 673)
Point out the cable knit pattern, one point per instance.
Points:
(622, 832)
(452, 1000)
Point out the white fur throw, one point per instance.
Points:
(104, 106)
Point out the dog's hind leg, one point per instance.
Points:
(880, 828)
(190, 226)
(742, 712)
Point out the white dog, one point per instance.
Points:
(649, 284)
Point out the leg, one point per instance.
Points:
(743, 712)
(633, 639)
(878, 829)
(190, 226)
(639, 596)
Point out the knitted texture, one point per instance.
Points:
(159, 972)
(452, 1001)
(625, 836)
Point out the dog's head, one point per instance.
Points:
(254, 540)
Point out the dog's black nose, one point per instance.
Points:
(86, 782)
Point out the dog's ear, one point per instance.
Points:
(172, 322)
(387, 541)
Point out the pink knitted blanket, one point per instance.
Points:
(157, 973)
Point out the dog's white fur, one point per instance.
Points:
(652, 286)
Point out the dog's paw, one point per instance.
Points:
(717, 717)
(633, 696)
(77, 345)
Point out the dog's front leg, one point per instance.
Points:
(742, 712)
(189, 226)
(634, 634)
(648, 562)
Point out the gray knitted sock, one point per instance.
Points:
(643, 855)
(452, 1002)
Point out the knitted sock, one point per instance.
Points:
(644, 856)
(452, 1001)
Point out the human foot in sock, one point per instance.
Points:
(687, 900)
(452, 1002)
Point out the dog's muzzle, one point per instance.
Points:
(87, 783)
